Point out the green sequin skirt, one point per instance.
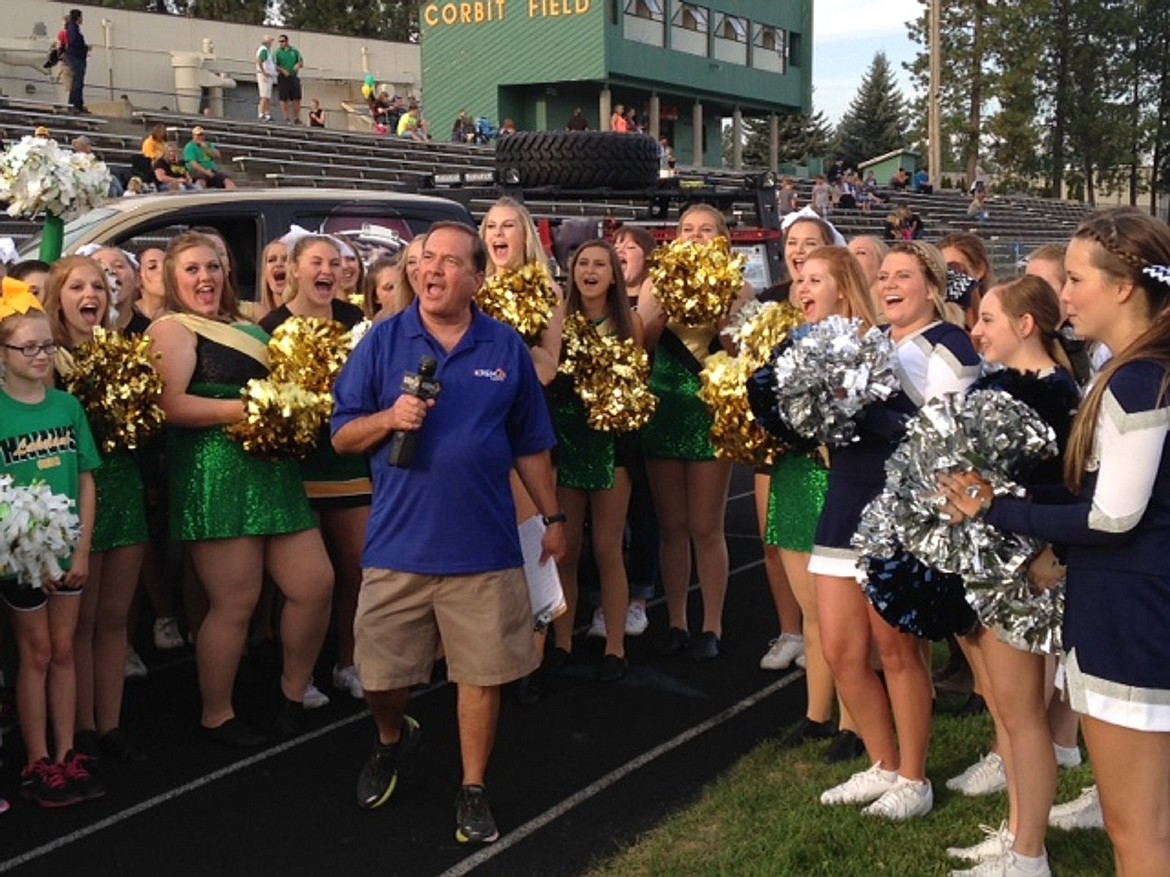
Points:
(681, 426)
(585, 457)
(220, 491)
(121, 503)
(795, 500)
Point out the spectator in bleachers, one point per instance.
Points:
(134, 186)
(922, 182)
(266, 77)
(632, 126)
(977, 209)
(900, 181)
(155, 144)
(463, 131)
(316, 114)
(787, 198)
(617, 121)
(982, 181)
(288, 84)
(64, 71)
(200, 156)
(170, 171)
(577, 121)
(507, 128)
(822, 196)
(76, 56)
(410, 126)
(84, 145)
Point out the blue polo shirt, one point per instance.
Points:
(452, 512)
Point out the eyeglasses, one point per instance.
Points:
(30, 351)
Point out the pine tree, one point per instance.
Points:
(802, 137)
(875, 122)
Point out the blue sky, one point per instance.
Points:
(846, 34)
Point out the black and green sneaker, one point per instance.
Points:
(379, 775)
(473, 817)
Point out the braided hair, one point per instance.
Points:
(1131, 247)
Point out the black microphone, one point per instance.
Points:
(424, 386)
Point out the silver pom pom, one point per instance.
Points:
(829, 374)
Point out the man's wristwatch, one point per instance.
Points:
(558, 518)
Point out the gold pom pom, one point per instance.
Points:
(524, 299)
(113, 377)
(282, 421)
(308, 352)
(697, 283)
(610, 375)
(757, 330)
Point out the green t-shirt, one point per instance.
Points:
(49, 441)
(287, 60)
(194, 152)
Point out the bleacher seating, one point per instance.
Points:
(273, 154)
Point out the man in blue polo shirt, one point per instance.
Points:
(442, 559)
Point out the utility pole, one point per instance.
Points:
(934, 109)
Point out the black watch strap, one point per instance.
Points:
(558, 518)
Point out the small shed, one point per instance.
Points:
(885, 166)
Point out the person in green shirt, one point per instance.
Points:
(200, 156)
(288, 82)
(44, 437)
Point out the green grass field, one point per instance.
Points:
(763, 818)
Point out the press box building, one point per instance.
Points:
(684, 66)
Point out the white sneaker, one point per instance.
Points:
(597, 626)
(1067, 756)
(166, 635)
(134, 668)
(904, 800)
(636, 620)
(1081, 812)
(346, 679)
(315, 698)
(996, 845)
(801, 661)
(861, 788)
(1007, 865)
(984, 777)
(782, 651)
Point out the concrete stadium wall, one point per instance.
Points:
(132, 56)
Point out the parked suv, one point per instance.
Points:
(373, 222)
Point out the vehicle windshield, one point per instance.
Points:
(74, 229)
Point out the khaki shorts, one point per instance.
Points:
(483, 621)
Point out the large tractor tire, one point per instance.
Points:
(577, 160)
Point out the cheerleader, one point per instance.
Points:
(151, 299)
(241, 515)
(338, 486)
(1017, 329)
(786, 561)
(965, 251)
(1117, 467)
(275, 277)
(513, 242)
(688, 481)
(634, 245)
(592, 466)
(831, 282)
(352, 278)
(77, 301)
(934, 356)
(124, 269)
